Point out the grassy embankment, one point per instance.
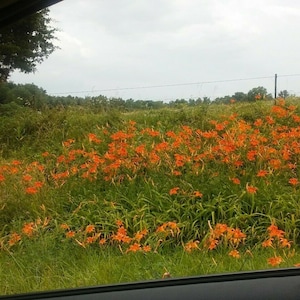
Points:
(96, 198)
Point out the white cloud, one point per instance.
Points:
(111, 44)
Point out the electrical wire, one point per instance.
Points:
(172, 85)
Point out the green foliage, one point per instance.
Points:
(175, 172)
(40, 266)
(36, 98)
(283, 94)
(258, 93)
(25, 44)
(28, 95)
(239, 96)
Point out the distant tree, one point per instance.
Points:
(199, 101)
(206, 100)
(192, 102)
(283, 94)
(117, 103)
(223, 100)
(5, 91)
(130, 104)
(23, 94)
(178, 103)
(239, 96)
(258, 93)
(25, 44)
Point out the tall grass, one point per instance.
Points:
(149, 182)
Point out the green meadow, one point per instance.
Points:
(100, 197)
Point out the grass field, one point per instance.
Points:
(95, 198)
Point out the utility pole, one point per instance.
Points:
(275, 93)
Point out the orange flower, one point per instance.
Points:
(267, 243)
(269, 120)
(258, 96)
(16, 162)
(68, 142)
(70, 234)
(102, 241)
(141, 149)
(179, 160)
(122, 231)
(31, 190)
(219, 230)
(297, 265)
(60, 175)
(90, 228)
(219, 126)
(251, 189)
(262, 173)
(154, 158)
(140, 234)
(121, 236)
(285, 243)
(2, 178)
(65, 226)
(120, 135)
(161, 146)
(152, 132)
(132, 123)
(28, 229)
(119, 223)
(61, 159)
(238, 163)
(161, 228)
(296, 118)
(14, 238)
(294, 181)
(134, 248)
(174, 191)
(251, 155)
(275, 261)
(177, 173)
(236, 235)
(198, 194)
(234, 253)
(93, 138)
(146, 248)
(38, 184)
(173, 225)
(90, 240)
(235, 180)
(258, 122)
(274, 231)
(275, 164)
(189, 246)
(212, 243)
(126, 239)
(27, 177)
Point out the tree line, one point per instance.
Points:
(30, 95)
(29, 41)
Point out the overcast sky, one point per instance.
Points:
(107, 46)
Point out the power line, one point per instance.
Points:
(173, 84)
(289, 75)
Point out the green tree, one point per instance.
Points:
(283, 94)
(22, 94)
(25, 44)
(239, 96)
(225, 99)
(258, 93)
